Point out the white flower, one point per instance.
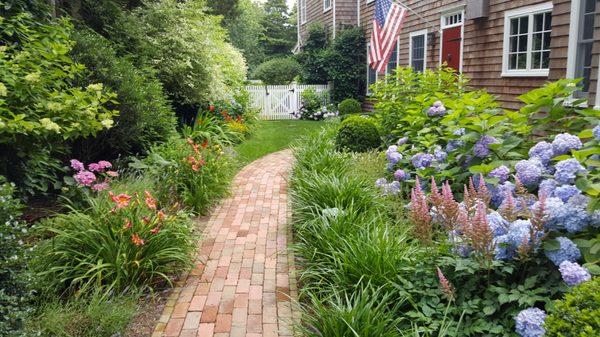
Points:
(107, 123)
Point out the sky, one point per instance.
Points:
(290, 3)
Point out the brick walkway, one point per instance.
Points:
(242, 282)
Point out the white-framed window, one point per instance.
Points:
(393, 62)
(302, 11)
(452, 19)
(581, 31)
(527, 41)
(326, 5)
(417, 50)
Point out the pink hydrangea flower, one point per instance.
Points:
(94, 167)
(85, 178)
(100, 187)
(77, 165)
(104, 164)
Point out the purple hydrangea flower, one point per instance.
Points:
(481, 148)
(454, 144)
(596, 132)
(529, 171)
(502, 248)
(547, 187)
(392, 154)
(85, 178)
(530, 323)
(437, 109)
(497, 223)
(104, 164)
(94, 167)
(440, 155)
(402, 141)
(565, 192)
(519, 232)
(500, 192)
(572, 215)
(77, 165)
(422, 160)
(567, 170)
(501, 173)
(380, 182)
(459, 132)
(573, 274)
(393, 188)
(543, 151)
(567, 251)
(563, 143)
(390, 167)
(400, 175)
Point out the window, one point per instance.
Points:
(326, 5)
(418, 50)
(393, 62)
(451, 20)
(527, 41)
(302, 11)
(585, 40)
(371, 73)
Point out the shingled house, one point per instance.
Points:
(505, 46)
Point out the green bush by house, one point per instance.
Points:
(349, 106)
(276, 71)
(358, 134)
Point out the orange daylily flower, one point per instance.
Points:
(122, 200)
(150, 201)
(154, 230)
(127, 224)
(137, 240)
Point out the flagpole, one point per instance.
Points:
(417, 14)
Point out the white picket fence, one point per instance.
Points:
(280, 101)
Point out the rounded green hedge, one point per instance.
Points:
(577, 315)
(349, 106)
(357, 134)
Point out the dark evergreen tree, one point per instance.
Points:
(229, 9)
(280, 35)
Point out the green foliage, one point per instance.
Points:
(346, 65)
(196, 175)
(277, 71)
(246, 32)
(280, 35)
(314, 56)
(123, 241)
(358, 134)
(349, 106)
(578, 314)
(14, 295)
(313, 103)
(92, 316)
(229, 9)
(145, 115)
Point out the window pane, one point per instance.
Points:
(522, 61)
(418, 65)
(546, 60)
(512, 61)
(588, 26)
(523, 43)
(590, 6)
(536, 59)
(547, 40)
(587, 54)
(513, 44)
(548, 21)
(523, 24)
(537, 41)
(514, 25)
(586, 79)
(538, 22)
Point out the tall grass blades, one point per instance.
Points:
(123, 241)
(317, 154)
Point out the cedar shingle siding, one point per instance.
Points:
(483, 40)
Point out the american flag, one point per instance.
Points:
(389, 17)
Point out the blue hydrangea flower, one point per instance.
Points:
(400, 175)
(567, 170)
(530, 322)
(459, 132)
(519, 232)
(501, 173)
(454, 145)
(578, 218)
(481, 148)
(459, 246)
(596, 132)
(437, 109)
(500, 192)
(391, 149)
(390, 167)
(503, 250)
(543, 151)
(422, 160)
(563, 143)
(393, 188)
(380, 182)
(529, 171)
(547, 187)
(565, 192)
(402, 141)
(573, 274)
(567, 251)
(595, 219)
(497, 223)
(440, 155)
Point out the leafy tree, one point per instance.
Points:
(280, 34)
(247, 31)
(281, 70)
(314, 56)
(346, 65)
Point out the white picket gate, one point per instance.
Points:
(280, 101)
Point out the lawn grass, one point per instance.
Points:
(272, 136)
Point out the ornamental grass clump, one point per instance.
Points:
(125, 240)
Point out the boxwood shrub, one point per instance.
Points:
(349, 106)
(578, 314)
(358, 134)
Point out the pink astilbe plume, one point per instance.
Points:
(447, 287)
(469, 199)
(419, 214)
(508, 209)
(483, 193)
(435, 198)
(479, 233)
(449, 208)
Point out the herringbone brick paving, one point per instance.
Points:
(243, 278)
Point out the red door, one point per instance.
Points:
(451, 38)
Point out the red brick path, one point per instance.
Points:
(242, 282)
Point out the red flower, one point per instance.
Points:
(204, 144)
(122, 200)
(150, 201)
(127, 224)
(211, 108)
(161, 215)
(137, 240)
(154, 230)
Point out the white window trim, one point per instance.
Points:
(410, 39)
(326, 9)
(369, 1)
(462, 34)
(573, 33)
(529, 10)
(301, 11)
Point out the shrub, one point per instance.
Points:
(314, 106)
(145, 114)
(577, 314)
(345, 65)
(313, 56)
(125, 240)
(92, 316)
(14, 295)
(281, 70)
(196, 175)
(358, 134)
(349, 106)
